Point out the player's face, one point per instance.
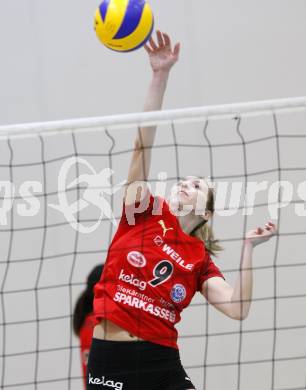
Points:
(193, 191)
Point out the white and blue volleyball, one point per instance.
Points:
(124, 25)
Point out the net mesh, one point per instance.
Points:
(54, 230)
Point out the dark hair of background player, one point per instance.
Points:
(84, 304)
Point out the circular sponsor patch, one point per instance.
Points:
(136, 259)
(178, 293)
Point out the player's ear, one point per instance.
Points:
(207, 215)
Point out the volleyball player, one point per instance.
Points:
(159, 257)
(83, 317)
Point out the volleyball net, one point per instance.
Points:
(61, 198)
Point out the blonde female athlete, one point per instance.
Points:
(155, 264)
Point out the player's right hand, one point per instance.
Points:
(161, 55)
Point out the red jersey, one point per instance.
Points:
(85, 335)
(152, 271)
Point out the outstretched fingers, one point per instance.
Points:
(168, 45)
(163, 41)
(167, 40)
(153, 44)
(160, 39)
(147, 48)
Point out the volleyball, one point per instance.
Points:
(124, 25)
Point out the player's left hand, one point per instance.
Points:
(260, 235)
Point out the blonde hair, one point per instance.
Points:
(204, 231)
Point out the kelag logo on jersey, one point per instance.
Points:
(136, 259)
(178, 293)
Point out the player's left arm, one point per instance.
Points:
(235, 302)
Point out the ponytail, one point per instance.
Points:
(204, 231)
(206, 234)
(84, 305)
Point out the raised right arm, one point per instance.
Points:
(162, 58)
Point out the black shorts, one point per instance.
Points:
(135, 365)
